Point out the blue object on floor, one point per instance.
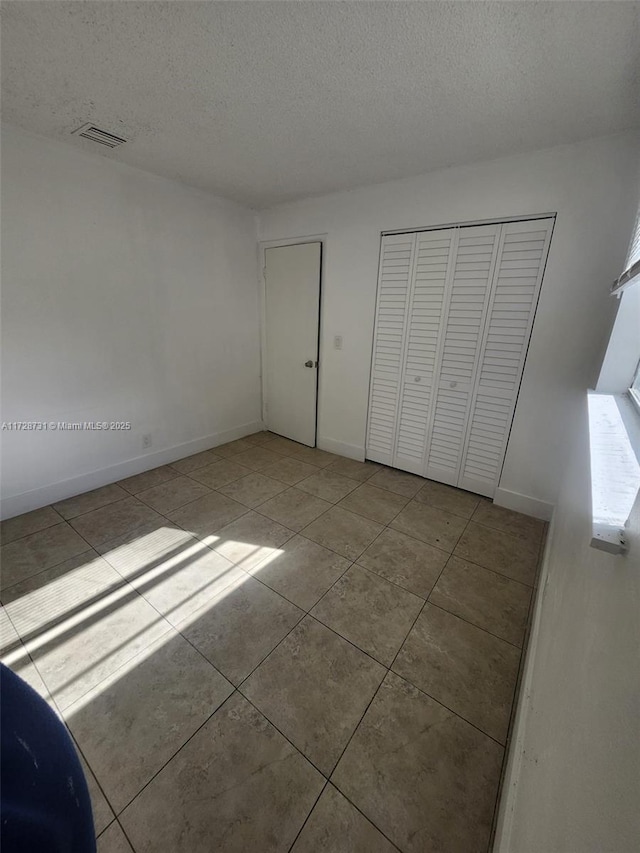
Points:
(44, 800)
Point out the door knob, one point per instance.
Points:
(308, 363)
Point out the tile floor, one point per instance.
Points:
(268, 647)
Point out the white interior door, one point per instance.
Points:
(292, 313)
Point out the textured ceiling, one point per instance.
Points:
(264, 102)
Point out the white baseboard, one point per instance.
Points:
(45, 495)
(351, 451)
(523, 503)
(515, 757)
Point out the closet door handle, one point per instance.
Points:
(453, 385)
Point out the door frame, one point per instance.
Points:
(263, 245)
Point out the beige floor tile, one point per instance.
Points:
(301, 571)
(132, 723)
(399, 482)
(486, 599)
(78, 652)
(253, 489)
(102, 813)
(29, 522)
(294, 509)
(285, 446)
(523, 526)
(197, 461)
(14, 655)
(250, 540)
(146, 547)
(370, 612)
(233, 448)
(220, 473)
(182, 584)
(314, 687)
(172, 494)
(204, 517)
(258, 458)
(405, 561)
(38, 551)
(54, 595)
(470, 671)
(447, 498)
(425, 777)
(114, 520)
(335, 826)
(113, 840)
(501, 552)
(371, 502)
(315, 456)
(89, 501)
(431, 525)
(147, 479)
(238, 629)
(328, 486)
(344, 532)
(238, 785)
(352, 468)
(9, 639)
(290, 470)
(260, 438)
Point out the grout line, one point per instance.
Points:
(523, 539)
(492, 571)
(33, 532)
(286, 737)
(180, 748)
(455, 713)
(304, 822)
(122, 829)
(6, 589)
(473, 624)
(368, 819)
(495, 571)
(104, 829)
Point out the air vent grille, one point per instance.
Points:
(94, 134)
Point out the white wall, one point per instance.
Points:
(125, 297)
(587, 184)
(573, 782)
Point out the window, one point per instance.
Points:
(634, 391)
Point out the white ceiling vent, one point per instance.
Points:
(89, 131)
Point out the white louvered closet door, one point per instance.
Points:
(454, 317)
(461, 341)
(428, 301)
(522, 257)
(394, 285)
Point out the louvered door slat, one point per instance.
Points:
(434, 253)
(457, 366)
(514, 295)
(394, 283)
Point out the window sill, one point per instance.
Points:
(614, 440)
